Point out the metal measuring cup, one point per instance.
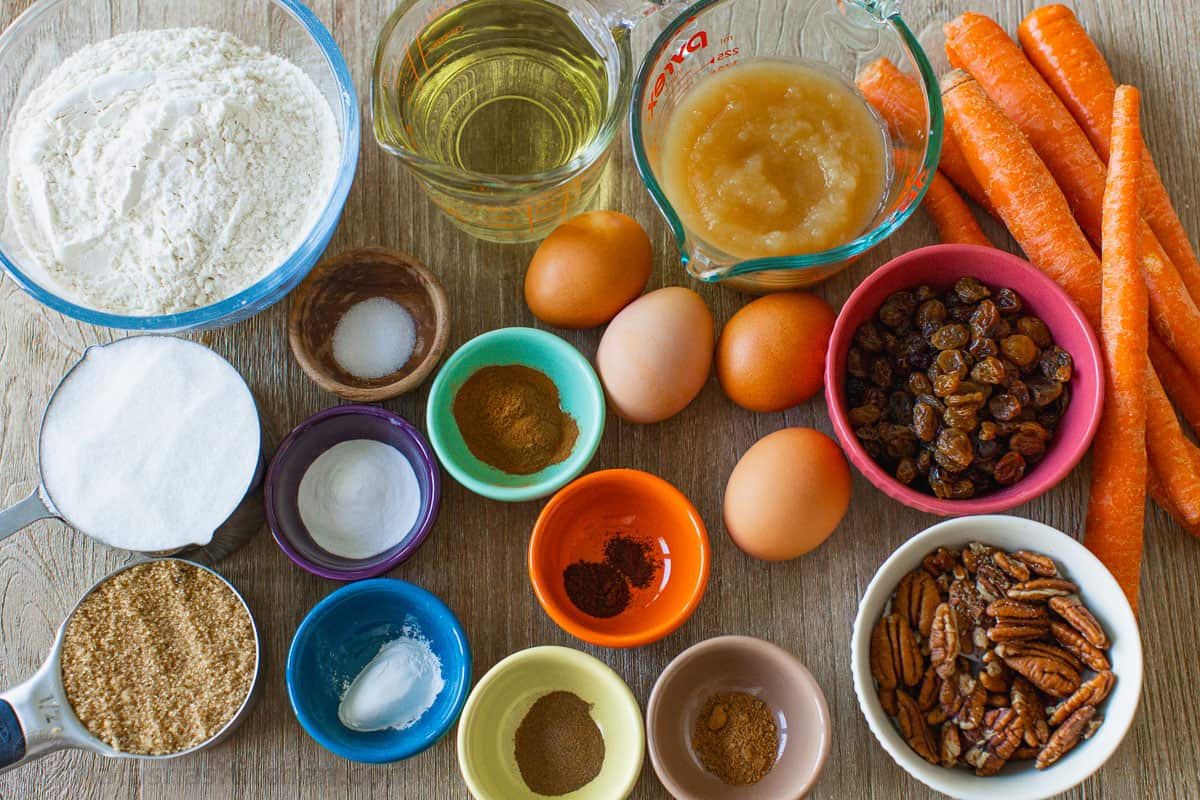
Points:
(242, 523)
(37, 719)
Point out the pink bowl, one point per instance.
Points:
(940, 266)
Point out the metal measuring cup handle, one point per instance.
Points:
(36, 718)
(25, 512)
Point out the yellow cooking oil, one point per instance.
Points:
(501, 87)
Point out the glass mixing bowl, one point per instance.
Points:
(842, 36)
(51, 30)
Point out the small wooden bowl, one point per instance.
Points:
(339, 282)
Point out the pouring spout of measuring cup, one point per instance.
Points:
(26, 512)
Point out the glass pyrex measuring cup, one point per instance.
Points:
(242, 523)
(839, 35)
(36, 718)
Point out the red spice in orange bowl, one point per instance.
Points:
(619, 558)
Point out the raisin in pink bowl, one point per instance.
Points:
(940, 266)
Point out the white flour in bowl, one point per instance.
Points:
(150, 443)
(161, 171)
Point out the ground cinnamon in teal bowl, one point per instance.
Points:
(515, 414)
(511, 418)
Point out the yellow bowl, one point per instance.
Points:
(487, 730)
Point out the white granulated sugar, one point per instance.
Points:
(359, 498)
(150, 443)
(161, 171)
(374, 338)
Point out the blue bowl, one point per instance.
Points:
(51, 29)
(345, 631)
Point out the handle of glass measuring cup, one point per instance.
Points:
(24, 513)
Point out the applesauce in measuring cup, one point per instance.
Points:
(774, 157)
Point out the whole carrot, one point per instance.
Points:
(953, 218)
(1179, 383)
(976, 43)
(1022, 190)
(1156, 490)
(1061, 50)
(898, 99)
(1117, 500)
(1036, 213)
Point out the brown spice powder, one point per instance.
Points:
(558, 746)
(511, 418)
(158, 658)
(736, 738)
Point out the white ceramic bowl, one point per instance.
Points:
(1100, 593)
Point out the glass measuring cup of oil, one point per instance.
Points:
(504, 109)
(830, 41)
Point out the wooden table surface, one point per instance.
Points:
(475, 557)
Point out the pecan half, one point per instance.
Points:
(916, 598)
(1032, 711)
(887, 699)
(916, 732)
(1025, 753)
(1047, 667)
(940, 561)
(1014, 567)
(1042, 588)
(962, 700)
(944, 643)
(993, 583)
(895, 655)
(1072, 609)
(1002, 737)
(1066, 737)
(1038, 564)
(931, 687)
(1090, 693)
(951, 745)
(1075, 644)
(1017, 619)
(994, 675)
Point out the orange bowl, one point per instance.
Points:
(576, 525)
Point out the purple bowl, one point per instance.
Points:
(940, 266)
(313, 437)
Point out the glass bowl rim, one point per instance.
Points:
(290, 269)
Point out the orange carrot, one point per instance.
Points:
(1037, 215)
(1155, 488)
(898, 98)
(1174, 457)
(1180, 384)
(976, 43)
(1117, 500)
(1022, 190)
(1061, 50)
(953, 218)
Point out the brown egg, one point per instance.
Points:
(588, 269)
(772, 352)
(656, 355)
(787, 494)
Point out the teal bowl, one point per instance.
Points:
(578, 387)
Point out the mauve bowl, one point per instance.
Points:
(940, 266)
(738, 664)
(313, 437)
